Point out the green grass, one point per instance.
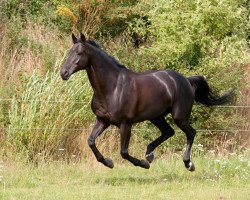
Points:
(215, 178)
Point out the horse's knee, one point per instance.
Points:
(191, 134)
(124, 154)
(91, 142)
(167, 134)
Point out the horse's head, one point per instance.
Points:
(78, 58)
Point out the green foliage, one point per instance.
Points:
(14, 28)
(97, 18)
(205, 38)
(183, 33)
(39, 11)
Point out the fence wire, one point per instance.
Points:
(135, 129)
(81, 102)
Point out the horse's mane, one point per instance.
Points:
(95, 44)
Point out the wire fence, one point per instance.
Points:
(135, 129)
(80, 102)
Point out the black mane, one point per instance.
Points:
(95, 44)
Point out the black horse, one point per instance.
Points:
(122, 97)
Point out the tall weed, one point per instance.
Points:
(46, 111)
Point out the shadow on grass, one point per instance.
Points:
(143, 179)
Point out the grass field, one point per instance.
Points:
(216, 177)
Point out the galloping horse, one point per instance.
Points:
(123, 97)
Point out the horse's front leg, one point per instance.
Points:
(125, 129)
(98, 129)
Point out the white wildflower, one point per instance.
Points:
(200, 145)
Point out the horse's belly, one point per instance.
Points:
(152, 111)
(153, 104)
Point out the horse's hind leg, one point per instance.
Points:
(184, 125)
(166, 132)
(98, 129)
(125, 129)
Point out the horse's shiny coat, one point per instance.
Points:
(122, 97)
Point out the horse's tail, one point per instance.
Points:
(204, 95)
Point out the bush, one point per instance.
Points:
(183, 33)
(97, 18)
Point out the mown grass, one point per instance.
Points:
(216, 177)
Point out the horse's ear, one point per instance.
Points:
(74, 39)
(83, 38)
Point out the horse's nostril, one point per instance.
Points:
(64, 74)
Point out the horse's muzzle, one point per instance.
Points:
(64, 74)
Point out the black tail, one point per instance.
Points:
(204, 95)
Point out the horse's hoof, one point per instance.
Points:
(109, 163)
(145, 164)
(150, 157)
(190, 167)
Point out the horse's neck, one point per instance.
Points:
(102, 75)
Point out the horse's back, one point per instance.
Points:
(168, 81)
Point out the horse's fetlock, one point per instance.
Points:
(149, 149)
(186, 160)
(124, 154)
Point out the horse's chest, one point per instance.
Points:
(100, 110)
(103, 110)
